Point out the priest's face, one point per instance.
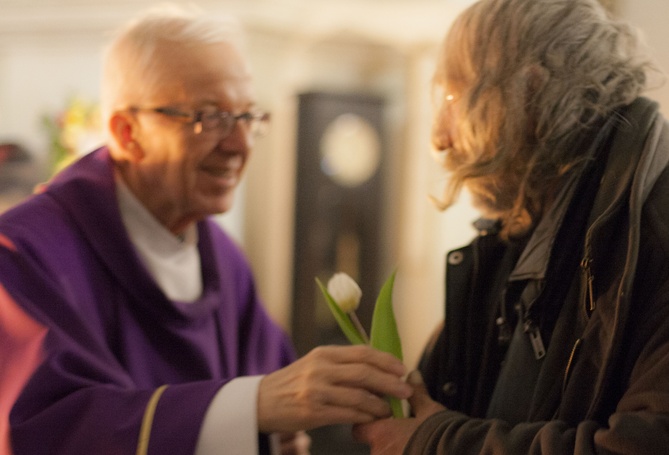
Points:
(185, 170)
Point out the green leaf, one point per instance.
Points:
(342, 318)
(384, 334)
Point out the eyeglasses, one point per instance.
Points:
(214, 119)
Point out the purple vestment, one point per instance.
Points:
(112, 336)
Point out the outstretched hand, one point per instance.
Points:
(330, 385)
(390, 436)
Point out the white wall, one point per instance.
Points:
(650, 17)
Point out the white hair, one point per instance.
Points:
(130, 60)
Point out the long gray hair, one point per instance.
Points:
(536, 75)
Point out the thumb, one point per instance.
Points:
(420, 401)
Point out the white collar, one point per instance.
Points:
(173, 261)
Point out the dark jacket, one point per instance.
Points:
(603, 385)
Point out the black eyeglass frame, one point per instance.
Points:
(256, 120)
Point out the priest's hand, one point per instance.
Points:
(330, 385)
(390, 436)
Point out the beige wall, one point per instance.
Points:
(650, 17)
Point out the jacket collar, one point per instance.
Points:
(535, 258)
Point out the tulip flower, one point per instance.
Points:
(345, 291)
(343, 297)
(346, 294)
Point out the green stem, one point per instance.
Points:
(358, 325)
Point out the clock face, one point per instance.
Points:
(350, 150)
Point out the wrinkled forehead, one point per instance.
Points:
(173, 61)
(182, 69)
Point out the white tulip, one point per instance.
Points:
(345, 291)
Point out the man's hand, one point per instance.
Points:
(390, 436)
(330, 385)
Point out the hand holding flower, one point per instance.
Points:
(343, 297)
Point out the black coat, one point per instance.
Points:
(603, 386)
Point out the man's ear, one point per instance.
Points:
(123, 127)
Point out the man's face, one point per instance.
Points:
(447, 118)
(183, 176)
(461, 144)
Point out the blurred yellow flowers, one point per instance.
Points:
(73, 132)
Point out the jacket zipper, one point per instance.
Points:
(586, 266)
(537, 342)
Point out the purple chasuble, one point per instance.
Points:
(112, 336)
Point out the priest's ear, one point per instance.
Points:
(122, 128)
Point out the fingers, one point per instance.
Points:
(356, 404)
(363, 432)
(316, 402)
(362, 354)
(354, 398)
(330, 385)
(390, 436)
(365, 378)
(420, 395)
(422, 405)
(356, 367)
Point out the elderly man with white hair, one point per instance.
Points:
(129, 320)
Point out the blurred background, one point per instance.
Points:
(343, 179)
